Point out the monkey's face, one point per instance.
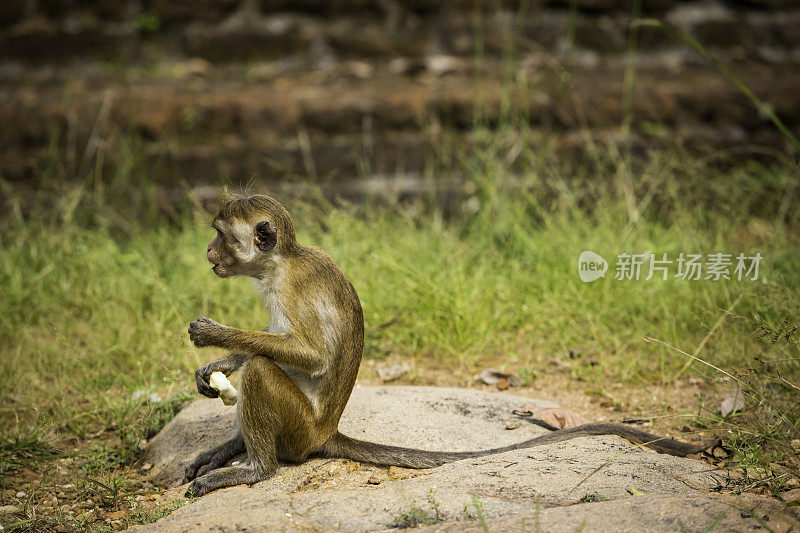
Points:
(242, 248)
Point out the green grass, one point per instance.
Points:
(592, 497)
(23, 450)
(417, 516)
(96, 300)
(111, 312)
(151, 515)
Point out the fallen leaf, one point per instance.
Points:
(492, 376)
(734, 402)
(502, 384)
(556, 416)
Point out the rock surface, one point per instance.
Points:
(542, 485)
(652, 513)
(422, 417)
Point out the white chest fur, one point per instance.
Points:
(279, 323)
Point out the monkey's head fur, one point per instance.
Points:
(253, 232)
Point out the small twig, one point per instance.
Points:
(789, 383)
(718, 369)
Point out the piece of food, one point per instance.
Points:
(227, 392)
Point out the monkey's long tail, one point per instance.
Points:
(342, 446)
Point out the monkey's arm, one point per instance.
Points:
(284, 349)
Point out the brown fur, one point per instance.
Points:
(298, 374)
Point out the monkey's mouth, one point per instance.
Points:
(219, 272)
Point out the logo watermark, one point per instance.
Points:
(591, 266)
(689, 267)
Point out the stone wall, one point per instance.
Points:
(215, 89)
(319, 30)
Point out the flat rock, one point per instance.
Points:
(422, 417)
(541, 485)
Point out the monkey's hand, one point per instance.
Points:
(227, 365)
(202, 376)
(205, 332)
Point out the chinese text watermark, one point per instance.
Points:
(689, 267)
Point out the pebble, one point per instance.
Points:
(21, 494)
(9, 509)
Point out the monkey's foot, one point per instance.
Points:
(211, 460)
(202, 460)
(245, 474)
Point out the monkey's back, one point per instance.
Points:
(329, 315)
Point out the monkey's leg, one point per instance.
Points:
(213, 459)
(277, 420)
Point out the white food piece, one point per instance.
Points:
(227, 392)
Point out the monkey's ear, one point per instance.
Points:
(266, 236)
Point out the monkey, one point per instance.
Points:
(297, 374)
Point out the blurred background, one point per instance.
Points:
(362, 96)
(455, 158)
